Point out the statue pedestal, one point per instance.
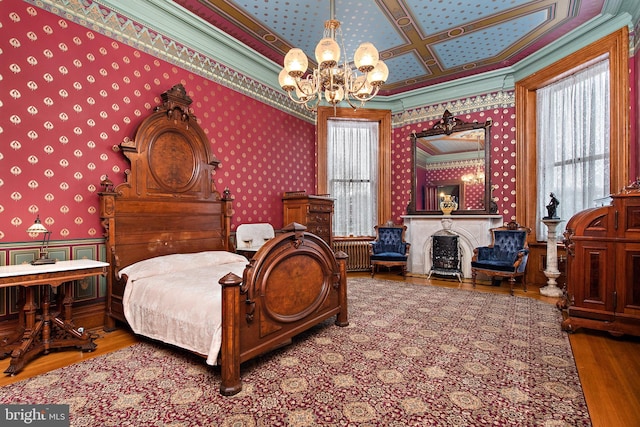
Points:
(552, 272)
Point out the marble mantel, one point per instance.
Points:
(472, 229)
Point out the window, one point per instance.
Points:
(383, 119)
(573, 141)
(615, 49)
(352, 173)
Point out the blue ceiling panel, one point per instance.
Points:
(404, 68)
(489, 42)
(436, 16)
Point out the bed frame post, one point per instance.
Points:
(107, 219)
(227, 214)
(230, 348)
(342, 319)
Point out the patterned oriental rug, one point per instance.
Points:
(413, 355)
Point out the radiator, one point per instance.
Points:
(358, 251)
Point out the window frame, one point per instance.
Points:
(614, 47)
(383, 117)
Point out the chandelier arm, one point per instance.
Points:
(299, 101)
(369, 97)
(312, 81)
(347, 98)
(363, 84)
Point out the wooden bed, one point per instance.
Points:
(169, 205)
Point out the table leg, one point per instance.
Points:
(9, 342)
(30, 344)
(71, 336)
(52, 330)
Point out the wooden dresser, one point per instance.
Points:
(314, 212)
(603, 266)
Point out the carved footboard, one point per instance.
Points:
(293, 283)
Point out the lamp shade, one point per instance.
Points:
(366, 57)
(362, 88)
(296, 62)
(327, 53)
(334, 96)
(379, 74)
(37, 227)
(287, 82)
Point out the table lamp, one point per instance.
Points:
(38, 228)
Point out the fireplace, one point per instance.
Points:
(472, 231)
(445, 255)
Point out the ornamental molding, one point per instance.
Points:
(474, 104)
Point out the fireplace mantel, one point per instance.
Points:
(472, 229)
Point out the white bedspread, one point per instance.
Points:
(177, 299)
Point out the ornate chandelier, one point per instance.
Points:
(476, 177)
(333, 81)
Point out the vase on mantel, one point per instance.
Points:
(448, 204)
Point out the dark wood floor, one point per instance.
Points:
(609, 367)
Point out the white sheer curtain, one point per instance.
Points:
(573, 142)
(352, 169)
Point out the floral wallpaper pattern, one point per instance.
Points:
(70, 95)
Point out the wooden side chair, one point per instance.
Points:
(506, 256)
(389, 249)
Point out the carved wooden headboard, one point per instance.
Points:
(168, 203)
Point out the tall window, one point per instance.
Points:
(530, 201)
(573, 141)
(382, 194)
(352, 173)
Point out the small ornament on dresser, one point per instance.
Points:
(448, 203)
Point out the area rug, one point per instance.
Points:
(413, 355)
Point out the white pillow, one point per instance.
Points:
(178, 262)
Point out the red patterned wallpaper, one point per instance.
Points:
(70, 95)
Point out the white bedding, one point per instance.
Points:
(177, 299)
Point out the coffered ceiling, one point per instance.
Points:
(423, 42)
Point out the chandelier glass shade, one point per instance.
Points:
(477, 177)
(331, 80)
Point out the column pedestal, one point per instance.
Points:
(552, 272)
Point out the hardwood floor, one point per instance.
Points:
(609, 367)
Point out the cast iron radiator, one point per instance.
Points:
(358, 251)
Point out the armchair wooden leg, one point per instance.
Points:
(473, 277)
(512, 281)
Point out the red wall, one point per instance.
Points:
(70, 95)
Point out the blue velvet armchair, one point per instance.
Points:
(389, 249)
(506, 256)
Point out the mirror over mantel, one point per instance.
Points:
(451, 158)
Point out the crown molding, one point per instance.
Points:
(257, 76)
